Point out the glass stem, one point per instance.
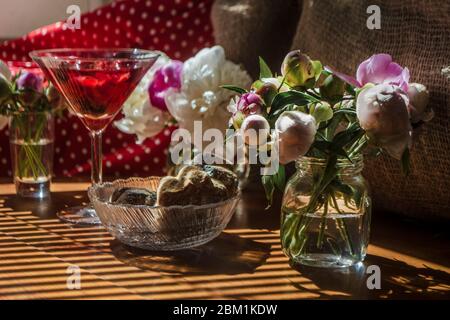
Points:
(96, 153)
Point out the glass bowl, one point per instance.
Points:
(157, 227)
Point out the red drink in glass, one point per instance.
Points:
(95, 83)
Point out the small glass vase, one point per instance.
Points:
(31, 137)
(326, 212)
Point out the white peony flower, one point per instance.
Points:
(382, 112)
(255, 129)
(140, 117)
(201, 98)
(295, 132)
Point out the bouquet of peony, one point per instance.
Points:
(327, 120)
(315, 111)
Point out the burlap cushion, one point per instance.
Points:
(417, 34)
(251, 28)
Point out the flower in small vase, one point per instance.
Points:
(31, 86)
(255, 129)
(418, 103)
(201, 97)
(169, 76)
(140, 116)
(295, 131)
(382, 112)
(378, 69)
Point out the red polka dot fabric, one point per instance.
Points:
(180, 28)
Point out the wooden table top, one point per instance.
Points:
(245, 262)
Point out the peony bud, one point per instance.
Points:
(332, 88)
(321, 111)
(297, 68)
(418, 103)
(296, 132)
(250, 103)
(255, 130)
(382, 112)
(266, 89)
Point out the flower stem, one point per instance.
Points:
(341, 226)
(322, 224)
(361, 144)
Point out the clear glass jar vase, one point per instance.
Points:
(326, 212)
(31, 137)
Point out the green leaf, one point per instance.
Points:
(264, 70)
(350, 89)
(348, 111)
(329, 173)
(280, 178)
(269, 188)
(348, 136)
(333, 124)
(405, 162)
(322, 145)
(290, 97)
(289, 107)
(234, 88)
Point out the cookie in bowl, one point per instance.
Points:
(195, 185)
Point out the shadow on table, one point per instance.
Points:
(227, 254)
(399, 280)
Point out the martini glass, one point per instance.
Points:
(95, 83)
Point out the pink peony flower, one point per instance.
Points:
(378, 69)
(250, 103)
(169, 76)
(382, 112)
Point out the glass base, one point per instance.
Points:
(38, 189)
(79, 216)
(323, 260)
